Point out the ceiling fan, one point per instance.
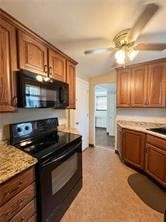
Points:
(126, 48)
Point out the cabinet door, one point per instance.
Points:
(123, 87)
(133, 147)
(32, 54)
(57, 66)
(139, 86)
(8, 98)
(156, 163)
(119, 141)
(71, 80)
(157, 85)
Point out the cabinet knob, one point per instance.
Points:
(45, 68)
(14, 101)
(50, 71)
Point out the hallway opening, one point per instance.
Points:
(105, 113)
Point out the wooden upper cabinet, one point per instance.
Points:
(142, 85)
(123, 87)
(133, 143)
(57, 66)
(32, 54)
(8, 53)
(139, 86)
(71, 80)
(157, 85)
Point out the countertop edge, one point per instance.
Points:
(140, 129)
(13, 162)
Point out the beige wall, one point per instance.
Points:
(157, 115)
(105, 78)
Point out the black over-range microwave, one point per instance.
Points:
(36, 91)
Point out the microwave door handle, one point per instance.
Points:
(55, 159)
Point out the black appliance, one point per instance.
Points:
(59, 167)
(161, 130)
(36, 91)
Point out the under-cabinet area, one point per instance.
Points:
(143, 151)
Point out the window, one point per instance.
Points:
(101, 102)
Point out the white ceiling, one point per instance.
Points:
(76, 25)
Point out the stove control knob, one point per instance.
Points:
(27, 128)
(19, 129)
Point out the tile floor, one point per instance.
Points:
(106, 195)
(102, 139)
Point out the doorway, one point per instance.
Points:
(105, 114)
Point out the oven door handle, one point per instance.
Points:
(60, 157)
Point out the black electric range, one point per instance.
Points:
(59, 167)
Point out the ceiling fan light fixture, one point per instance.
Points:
(120, 56)
(132, 54)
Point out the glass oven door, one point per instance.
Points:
(58, 176)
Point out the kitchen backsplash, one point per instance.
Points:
(29, 114)
(154, 115)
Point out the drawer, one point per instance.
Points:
(33, 218)
(26, 213)
(16, 184)
(156, 141)
(13, 206)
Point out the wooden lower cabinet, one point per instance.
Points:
(26, 214)
(18, 201)
(133, 143)
(156, 163)
(144, 151)
(156, 158)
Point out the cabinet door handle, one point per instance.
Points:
(14, 190)
(14, 101)
(50, 71)
(45, 68)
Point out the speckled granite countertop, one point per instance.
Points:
(68, 130)
(13, 161)
(142, 126)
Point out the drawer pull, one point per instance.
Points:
(14, 190)
(14, 101)
(22, 219)
(15, 208)
(45, 68)
(50, 71)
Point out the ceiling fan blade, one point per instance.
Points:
(150, 46)
(97, 50)
(141, 22)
